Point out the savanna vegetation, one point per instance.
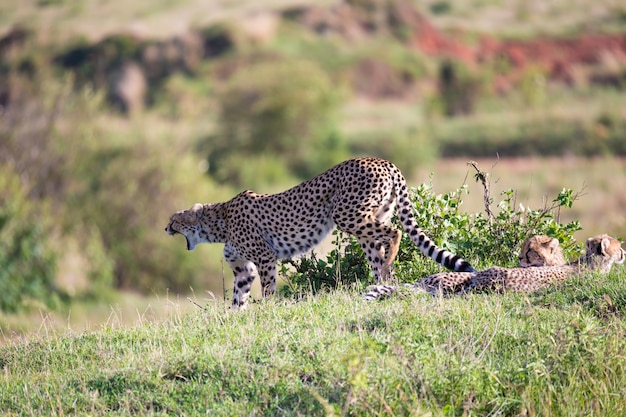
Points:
(105, 133)
(111, 119)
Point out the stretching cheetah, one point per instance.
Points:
(602, 252)
(358, 196)
(537, 250)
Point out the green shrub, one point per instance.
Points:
(481, 239)
(128, 193)
(27, 261)
(344, 266)
(283, 109)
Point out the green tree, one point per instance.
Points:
(278, 110)
(27, 261)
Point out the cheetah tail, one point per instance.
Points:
(378, 292)
(425, 244)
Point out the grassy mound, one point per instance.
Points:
(557, 352)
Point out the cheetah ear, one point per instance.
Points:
(194, 212)
(602, 246)
(622, 256)
(553, 244)
(606, 242)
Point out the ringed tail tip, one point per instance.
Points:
(466, 267)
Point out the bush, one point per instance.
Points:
(129, 192)
(345, 265)
(110, 195)
(280, 109)
(482, 239)
(27, 261)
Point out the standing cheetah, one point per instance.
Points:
(358, 196)
(602, 252)
(537, 250)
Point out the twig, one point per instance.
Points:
(223, 283)
(483, 177)
(555, 205)
(194, 303)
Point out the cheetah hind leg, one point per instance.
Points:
(381, 251)
(267, 272)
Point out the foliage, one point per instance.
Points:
(27, 259)
(101, 190)
(556, 352)
(131, 219)
(482, 239)
(280, 108)
(345, 266)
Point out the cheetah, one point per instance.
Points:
(537, 250)
(541, 250)
(602, 251)
(358, 196)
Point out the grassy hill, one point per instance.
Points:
(557, 352)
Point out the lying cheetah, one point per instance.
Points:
(358, 196)
(537, 250)
(601, 252)
(541, 250)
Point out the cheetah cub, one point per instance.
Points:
(358, 196)
(537, 250)
(602, 252)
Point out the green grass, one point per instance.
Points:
(557, 352)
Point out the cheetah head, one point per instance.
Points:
(541, 251)
(604, 250)
(187, 223)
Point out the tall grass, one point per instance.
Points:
(557, 352)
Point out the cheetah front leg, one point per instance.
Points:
(245, 273)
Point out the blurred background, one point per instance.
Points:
(114, 114)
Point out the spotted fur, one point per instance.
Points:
(547, 268)
(537, 250)
(541, 250)
(358, 196)
(601, 253)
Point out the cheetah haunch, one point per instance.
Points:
(358, 196)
